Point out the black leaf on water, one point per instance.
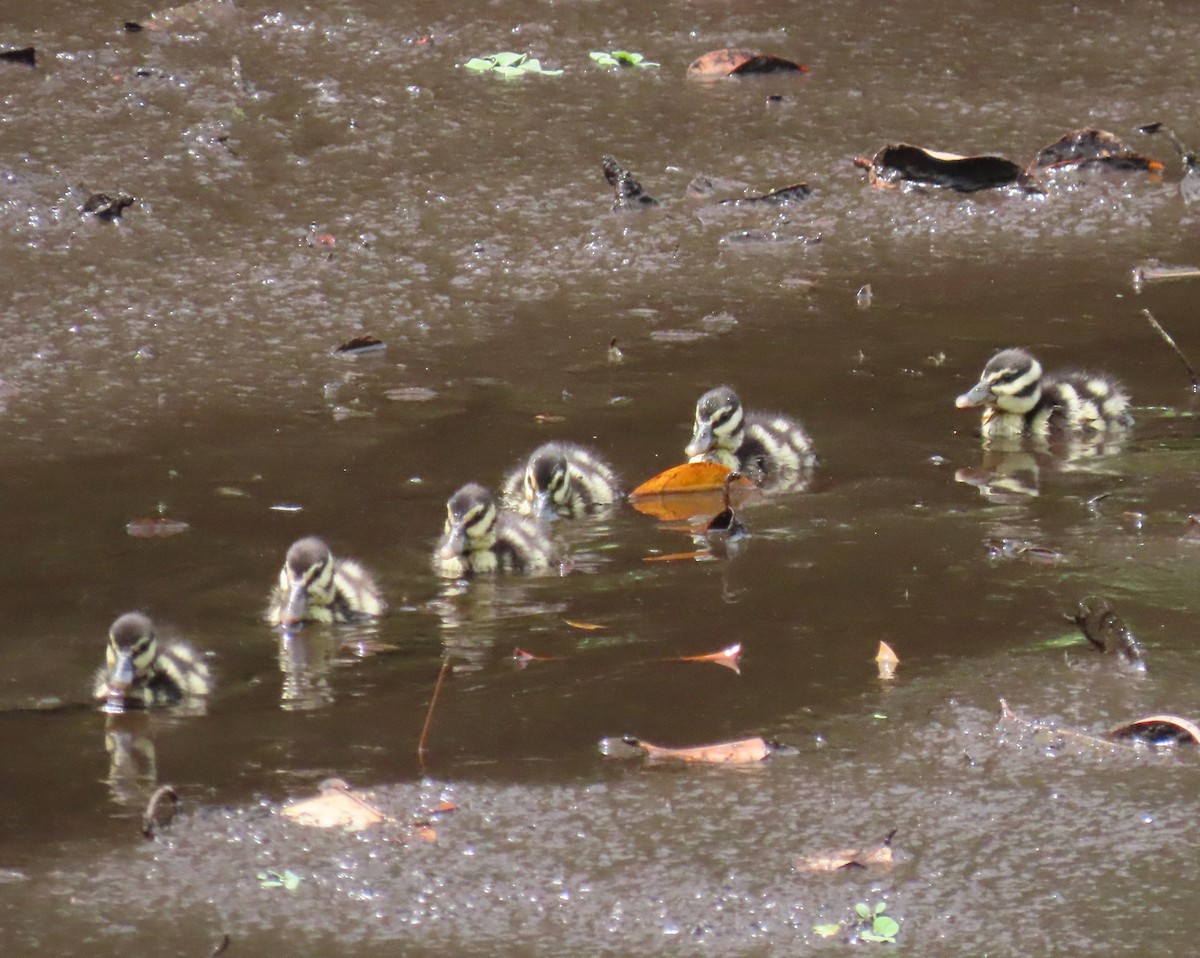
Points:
(629, 192)
(105, 207)
(360, 345)
(26, 56)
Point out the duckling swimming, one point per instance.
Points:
(140, 670)
(479, 538)
(315, 587)
(761, 446)
(1019, 400)
(561, 479)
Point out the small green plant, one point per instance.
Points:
(285, 879)
(507, 64)
(620, 58)
(869, 924)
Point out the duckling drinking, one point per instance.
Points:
(478, 538)
(140, 670)
(1019, 400)
(761, 446)
(561, 479)
(316, 587)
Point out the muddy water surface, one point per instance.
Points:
(179, 362)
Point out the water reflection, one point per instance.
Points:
(132, 758)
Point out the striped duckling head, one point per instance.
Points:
(547, 482)
(130, 655)
(719, 426)
(1010, 382)
(307, 580)
(470, 522)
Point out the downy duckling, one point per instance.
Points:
(761, 446)
(479, 538)
(561, 479)
(140, 670)
(315, 587)
(1019, 400)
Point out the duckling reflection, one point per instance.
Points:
(316, 587)
(306, 661)
(132, 758)
(141, 671)
(768, 448)
(1018, 400)
(484, 617)
(478, 538)
(561, 479)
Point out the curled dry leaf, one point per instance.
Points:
(905, 163)
(742, 752)
(359, 346)
(879, 857)
(1096, 149)
(522, 656)
(887, 661)
(728, 657)
(718, 64)
(1158, 730)
(157, 527)
(679, 556)
(336, 807)
(586, 626)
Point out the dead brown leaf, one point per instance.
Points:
(1158, 730)
(727, 657)
(718, 64)
(586, 626)
(905, 163)
(741, 752)
(686, 477)
(678, 556)
(887, 661)
(878, 857)
(336, 807)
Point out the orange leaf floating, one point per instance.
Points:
(728, 657)
(887, 660)
(904, 163)
(742, 752)
(679, 556)
(586, 626)
(688, 477)
(718, 64)
(158, 527)
(336, 807)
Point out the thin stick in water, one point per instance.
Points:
(1178, 352)
(437, 688)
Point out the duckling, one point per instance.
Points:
(140, 670)
(478, 538)
(1019, 400)
(561, 479)
(315, 587)
(760, 446)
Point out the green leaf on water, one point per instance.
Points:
(287, 879)
(1059, 642)
(827, 931)
(508, 58)
(620, 58)
(480, 64)
(885, 927)
(863, 909)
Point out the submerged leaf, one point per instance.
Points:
(1092, 148)
(742, 752)
(850, 858)
(336, 807)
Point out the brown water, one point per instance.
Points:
(183, 354)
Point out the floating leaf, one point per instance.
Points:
(850, 858)
(883, 928)
(629, 192)
(620, 58)
(522, 656)
(547, 418)
(586, 626)
(1095, 149)
(688, 477)
(158, 527)
(728, 657)
(718, 64)
(1158, 730)
(336, 807)
(886, 660)
(360, 345)
(742, 752)
(827, 931)
(508, 64)
(27, 56)
(106, 208)
(287, 879)
(904, 163)
(679, 556)
(1158, 274)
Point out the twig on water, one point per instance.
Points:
(1154, 323)
(437, 688)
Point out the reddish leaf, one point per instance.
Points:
(522, 656)
(678, 556)
(718, 64)
(688, 477)
(729, 657)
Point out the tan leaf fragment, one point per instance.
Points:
(741, 752)
(887, 661)
(878, 857)
(336, 807)
(727, 657)
(586, 626)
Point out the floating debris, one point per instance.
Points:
(879, 857)
(1089, 148)
(410, 394)
(1105, 629)
(902, 163)
(629, 192)
(741, 752)
(157, 527)
(887, 661)
(199, 13)
(614, 352)
(1157, 730)
(360, 346)
(734, 62)
(780, 197)
(337, 806)
(106, 208)
(26, 56)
